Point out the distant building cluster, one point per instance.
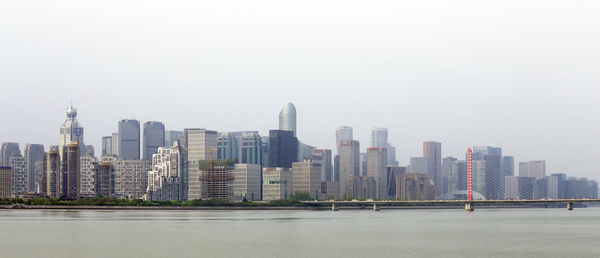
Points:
(146, 161)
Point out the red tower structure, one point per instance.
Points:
(469, 175)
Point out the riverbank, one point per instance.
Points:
(244, 208)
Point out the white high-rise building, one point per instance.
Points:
(71, 131)
(87, 175)
(164, 180)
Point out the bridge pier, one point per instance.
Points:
(334, 208)
(469, 206)
(375, 208)
(569, 206)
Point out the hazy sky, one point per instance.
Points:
(521, 75)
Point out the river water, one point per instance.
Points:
(345, 233)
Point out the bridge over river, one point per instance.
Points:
(469, 204)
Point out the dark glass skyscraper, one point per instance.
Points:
(129, 139)
(283, 148)
(154, 137)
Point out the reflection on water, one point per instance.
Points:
(356, 233)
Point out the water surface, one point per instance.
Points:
(346, 233)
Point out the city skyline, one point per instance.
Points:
(457, 72)
(403, 161)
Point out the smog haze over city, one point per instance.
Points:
(522, 75)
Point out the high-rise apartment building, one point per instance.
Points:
(349, 164)
(164, 180)
(306, 178)
(287, 118)
(131, 178)
(88, 174)
(104, 180)
(6, 176)
(71, 172)
(8, 150)
(71, 131)
(129, 139)
(377, 169)
(200, 143)
(50, 185)
(33, 155)
(18, 165)
(247, 182)
(154, 137)
(283, 148)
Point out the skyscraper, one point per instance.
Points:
(432, 151)
(115, 144)
(129, 139)
(348, 164)
(33, 154)
(323, 157)
(8, 149)
(283, 148)
(71, 169)
(377, 169)
(107, 143)
(171, 136)
(199, 145)
(105, 180)
(154, 137)
(342, 133)
(287, 118)
(252, 149)
(493, 175)
(52, 174)
(88, 165)
(379, 137)
(247, 182)
(71, 131)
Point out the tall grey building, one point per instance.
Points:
(154, 137)
(377, 169)
(129, 139)
(71, 131)
(391, 158)
(306, 178)
(535, 168)
(171, 136)
(107, 143)
(33, 153)
(241, 147)
(323, 157)
(508, 165)
(252, 149)
(362, 163)
(8, 149)
(342, 133)
(247, 182)
(379, 137)
(432, 151)
(348, 164)
(493, 175)
(199, 144)
(418, 165)
(287, 118)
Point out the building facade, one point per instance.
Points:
(131, 178)
(306, 178)
(33, 154)
(377, 169)
(283, 148)
(199, 144)
(247, 182)
(71, 172)
(129, 139)
(154, 137)
(277, 183)
(348, 164)
(6, 176)
(287, 118)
